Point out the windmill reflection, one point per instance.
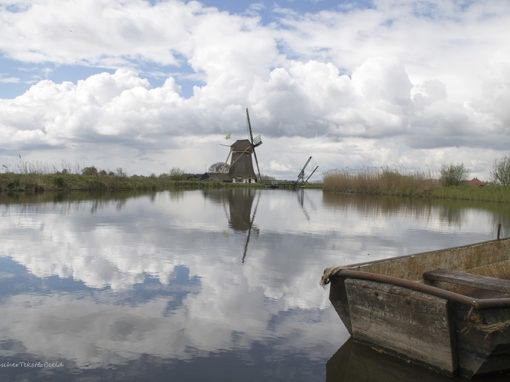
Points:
(239, 215)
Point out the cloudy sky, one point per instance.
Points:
(151, 85)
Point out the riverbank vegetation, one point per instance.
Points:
(451, 184)
(32, 180)
(380, 182)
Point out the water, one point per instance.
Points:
(198, 285)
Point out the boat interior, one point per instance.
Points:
(478, 271)
(470, 284)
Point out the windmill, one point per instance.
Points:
(241, 164)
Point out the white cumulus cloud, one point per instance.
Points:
(412, 76)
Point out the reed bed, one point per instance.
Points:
(380, 182)
(419, 184)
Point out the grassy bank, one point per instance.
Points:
(36, 178)
(37, 183)
(393, 183)
(489, 193)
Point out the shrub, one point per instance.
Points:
(89, 171)
(97, 185)
(501, 171)
(453, 174)
(176, 174)
(59, 181)
(13, 185)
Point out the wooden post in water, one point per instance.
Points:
(499, 231)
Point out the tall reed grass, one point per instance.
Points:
(380, 181)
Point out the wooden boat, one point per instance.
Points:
(448, 310)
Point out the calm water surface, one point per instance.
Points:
(200, 285)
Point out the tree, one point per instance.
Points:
(453, 174)
(176, 173)
(120, 172)
(59, 181)
(89, 171)
(501, 171)
(217, 167)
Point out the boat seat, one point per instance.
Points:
(467, 279)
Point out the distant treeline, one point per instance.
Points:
(93, 180)
(29, 179)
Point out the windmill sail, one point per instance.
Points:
(253, 143)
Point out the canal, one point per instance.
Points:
(203, 285)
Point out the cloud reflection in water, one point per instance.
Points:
(109, 284)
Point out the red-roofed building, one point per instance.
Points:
(475, 182)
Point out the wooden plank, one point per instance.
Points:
(411, 267)
(412, 324)
(468, 279)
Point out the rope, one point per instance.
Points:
(497, 327)
(487, 328)
(330, 272)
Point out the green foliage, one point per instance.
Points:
(13, 185)
(59, 181)
(97, 185)
(488, 193)
(453, 174)
(90, 179)
(177, 174)
(501, 171)
(89, 171)
(32, 183)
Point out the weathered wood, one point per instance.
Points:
(482, 347)
(467, 279)
(411, 324)
(385, 304)
(411, 267)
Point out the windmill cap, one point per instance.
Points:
(242, 145)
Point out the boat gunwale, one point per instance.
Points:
(477, 303)
(425, 253)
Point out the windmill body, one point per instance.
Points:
(241, 165)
